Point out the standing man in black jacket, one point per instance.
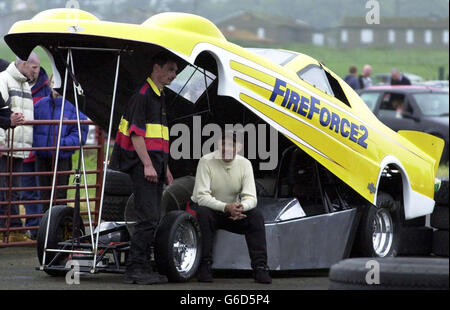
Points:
(398, 78)
(142, 150)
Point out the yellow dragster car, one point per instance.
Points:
(337, 161)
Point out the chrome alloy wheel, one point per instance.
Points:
(185, 248)
(383, 232)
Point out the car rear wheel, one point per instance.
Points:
(377, 233)
(113, 207)
(118, 183)
(383, 231)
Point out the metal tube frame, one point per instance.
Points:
(105, 163)
(95, 248)
(56, 165)
(81, 150)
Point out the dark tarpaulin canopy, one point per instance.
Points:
(95, 70)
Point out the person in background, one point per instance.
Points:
(3, 65)
(40, 88)
(364, 79)
(398, 78)
(8, 119)
(49, 108)
(399, 107)
(16, 96)
(351, 78)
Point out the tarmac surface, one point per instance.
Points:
(18, 272)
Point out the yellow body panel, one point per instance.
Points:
(355, 148)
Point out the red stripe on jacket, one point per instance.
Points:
(144, 89)
(151, 144)
(137, 130)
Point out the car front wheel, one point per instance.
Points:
(178, 246)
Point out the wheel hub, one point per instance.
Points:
(185, 248)
(383, 232)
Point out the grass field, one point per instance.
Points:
(7, 54)
(443, 171)
(423, 62)
(90, 159)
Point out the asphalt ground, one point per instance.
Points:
(18, 272)
(21, 283)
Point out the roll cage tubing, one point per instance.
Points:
(78, 90)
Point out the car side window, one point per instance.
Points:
(394, 104)
(316, 76)
(370, 99)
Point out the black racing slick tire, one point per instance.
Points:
(260, 189)
(415, 241)
(390, 273)
(440, 243)
(60, 229)
(178, 246)
(114, 208)
(439, 217)
(118, 183)
(177, 194)
(441, 196)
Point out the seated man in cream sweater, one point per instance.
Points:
(224, 197)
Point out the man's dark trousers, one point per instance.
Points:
(252, 227)
(147, 198)
(31, 181)
(15, 195)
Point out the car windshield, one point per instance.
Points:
(192, 82)
(433, 104)
(279, 57)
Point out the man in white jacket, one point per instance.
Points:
(16, 96)
(224, 197)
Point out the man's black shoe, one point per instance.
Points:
(204, 273)
(261, 275)
(128, 276)
(143, 276)
(152, 269)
